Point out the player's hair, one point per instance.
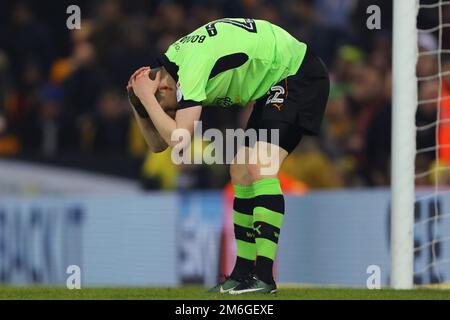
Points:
(154, 71)
(164, 74)
(136, 103)
(135, 100)
(152, 76)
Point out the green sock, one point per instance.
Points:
(268, 217)
(243, 231)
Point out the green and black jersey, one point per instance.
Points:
(231, 61)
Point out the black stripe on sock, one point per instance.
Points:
(242, 268)
(263, 269)
(244, 234)
(244, 206)
(267, 231)
(271, 202)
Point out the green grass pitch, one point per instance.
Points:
(199, 293)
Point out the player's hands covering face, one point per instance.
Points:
(141, 83)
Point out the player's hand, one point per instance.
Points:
(135, 74)
(142, 84)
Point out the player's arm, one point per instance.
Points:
(151, 135)
(184, 119)
(145, 89)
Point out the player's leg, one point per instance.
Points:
(293, 107)
(243, 205)
(268, 213)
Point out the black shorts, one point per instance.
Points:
(295, 105)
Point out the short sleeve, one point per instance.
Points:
(193, 76)
(190, 65)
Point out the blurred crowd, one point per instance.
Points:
(62, 92)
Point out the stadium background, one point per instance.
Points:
(77, 185)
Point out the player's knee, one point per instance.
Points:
(254, 171)
(239, 174)
(258, 172)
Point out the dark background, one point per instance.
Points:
(62, 92)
